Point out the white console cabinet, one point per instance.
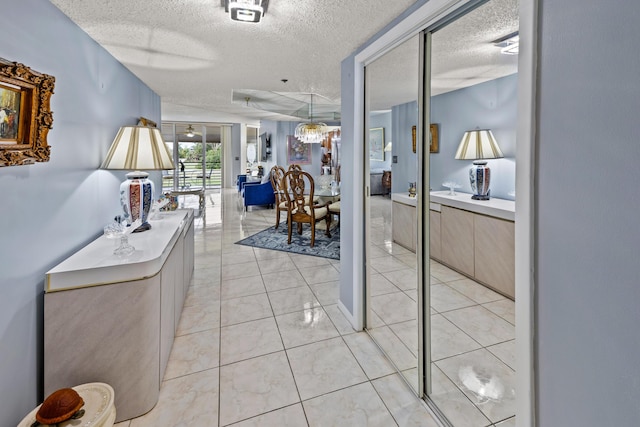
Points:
(476, 238)
(113, 319)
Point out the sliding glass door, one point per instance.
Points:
(197, 151)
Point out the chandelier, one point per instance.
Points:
(311, 133)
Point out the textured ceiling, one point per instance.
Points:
(194, 56)
(462, 55)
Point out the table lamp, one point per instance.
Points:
(479, 145)
(138, 148)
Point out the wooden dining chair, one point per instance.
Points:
(298, 189)
(334, 209)
(297, 167)
(277, 176)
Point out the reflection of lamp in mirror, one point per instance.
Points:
(479, 145)
(137, 148)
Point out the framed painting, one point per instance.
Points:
(25, 116)
(298, 152)
(11, 115)
(376, 144)
(433, 138)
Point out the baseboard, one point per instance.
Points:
(349, 316)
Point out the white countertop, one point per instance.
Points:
(95, 264)
(499, 208)
(404, 199)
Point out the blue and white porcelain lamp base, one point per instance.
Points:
(138, 148)
(479, 145)
(136, 198)
(480, 177)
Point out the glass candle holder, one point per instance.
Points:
(125, 248)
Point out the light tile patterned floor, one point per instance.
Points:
(264, 346)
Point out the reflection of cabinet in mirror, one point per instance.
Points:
(434, 232)
(495, 253)
(456, 232)
(405, 224)
(476, 238)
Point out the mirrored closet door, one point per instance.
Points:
(440, 279)
(473, 87)
(392, 279)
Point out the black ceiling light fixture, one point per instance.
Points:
(245, 10)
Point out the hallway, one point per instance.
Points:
(261, 341)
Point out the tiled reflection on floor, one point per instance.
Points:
(262, 342)
(472, 331)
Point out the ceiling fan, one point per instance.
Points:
(191, 132)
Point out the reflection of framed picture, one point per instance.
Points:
(433, 138)
(298, 152)
(25, 117)
(376, 144)
(413, 138)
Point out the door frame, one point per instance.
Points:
(412, 24)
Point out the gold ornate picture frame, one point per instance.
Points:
(434, 138)
(25, 115)
(413, 138)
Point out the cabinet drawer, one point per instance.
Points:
(405, 226)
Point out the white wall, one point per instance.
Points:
(50, 210)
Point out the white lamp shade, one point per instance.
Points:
(478, 144)
(138, 148)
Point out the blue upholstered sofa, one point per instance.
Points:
(257, 194)
(240, 179)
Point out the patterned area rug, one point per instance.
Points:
(277, 240)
